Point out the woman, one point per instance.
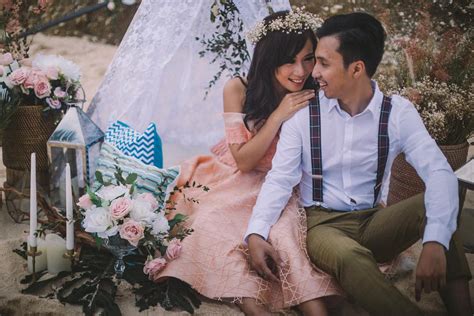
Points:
(214, 260)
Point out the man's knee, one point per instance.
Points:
(337, 256)
(350, 260)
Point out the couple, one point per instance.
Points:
(253, 244)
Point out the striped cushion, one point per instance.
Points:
(146, 147)
(151, 179)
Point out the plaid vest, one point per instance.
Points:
(316, 156)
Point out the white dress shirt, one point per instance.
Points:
(349, 159)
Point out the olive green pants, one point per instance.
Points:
(348, 245)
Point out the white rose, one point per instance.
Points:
(142, 211)
(160, 226)
(111, 192)
(109, 232)
(98, 220)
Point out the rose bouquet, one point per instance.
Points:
(49, 80)
(118, 211)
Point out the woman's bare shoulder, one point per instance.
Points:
(234, 95)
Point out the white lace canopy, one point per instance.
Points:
(157, 75)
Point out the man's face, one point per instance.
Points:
(329, 69)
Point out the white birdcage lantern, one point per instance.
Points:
(77, 141)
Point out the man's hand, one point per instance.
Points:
(431, 269)
(263, 257)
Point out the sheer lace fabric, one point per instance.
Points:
(157, 75)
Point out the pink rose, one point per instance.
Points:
(42, 87)
(153, 267)
(59, 93)
(54, 104)
(51, 73)
(84, 201)
(120, 207)
(32, 78)
(6, 59)
(19, 76)
(131, 231)
(174, 249)
(147, 196)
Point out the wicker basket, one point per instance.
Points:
(405, 182)
(27, 132)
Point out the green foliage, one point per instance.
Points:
(227, 44)
(92, 285)
(170, 294)
(94, 198)
(95, 294)
(178, 218)
(99, 178)
(171, 203)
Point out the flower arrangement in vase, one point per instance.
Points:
(123, 220)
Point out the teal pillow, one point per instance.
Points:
(151, 179)
(145, 147)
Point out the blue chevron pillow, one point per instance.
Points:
(145, 147)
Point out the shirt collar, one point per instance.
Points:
(374, 104)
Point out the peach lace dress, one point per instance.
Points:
(214, 260)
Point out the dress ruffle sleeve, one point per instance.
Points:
(235, 130)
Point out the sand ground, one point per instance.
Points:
(93, 58)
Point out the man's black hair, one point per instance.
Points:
(361, 37)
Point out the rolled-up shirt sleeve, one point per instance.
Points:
(441, 196)
(278, 186)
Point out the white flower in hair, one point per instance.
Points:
(295, 21)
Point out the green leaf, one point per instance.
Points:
(131, 178)
(99, 177)
(98, 241)
(178, 218)
(94, 198)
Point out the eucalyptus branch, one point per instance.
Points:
(171, 203)
(226, 45)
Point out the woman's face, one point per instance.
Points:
(292, 76)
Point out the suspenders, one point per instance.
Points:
(316, 157)
(383, 144)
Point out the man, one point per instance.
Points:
(340, 162)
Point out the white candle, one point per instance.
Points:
(40, 261)
(56, 247)
(69, 213)
(33, 210)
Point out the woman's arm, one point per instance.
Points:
(247, 155)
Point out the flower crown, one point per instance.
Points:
(295, 21)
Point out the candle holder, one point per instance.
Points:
(71, 255)
(33, 253)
